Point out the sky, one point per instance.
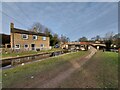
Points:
(72, 19)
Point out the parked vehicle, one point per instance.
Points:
(56, 46)
(114, 50)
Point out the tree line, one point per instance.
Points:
(110, 39)
(55, 39)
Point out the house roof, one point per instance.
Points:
(16, 30)
(85, 43)
(73, 43)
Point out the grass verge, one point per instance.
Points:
(101, 71)
(7, 55)
(21, 75)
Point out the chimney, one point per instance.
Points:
(11, 25)
(35, 29)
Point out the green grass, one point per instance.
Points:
(13, 54)
(46, 67)
(108, 76)
(101, 71)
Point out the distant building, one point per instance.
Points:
(84, 45)
(99, 45)
(28, 40)
(76, 45)
(5, 39)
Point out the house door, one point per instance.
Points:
(33, 46)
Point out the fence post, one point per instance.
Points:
(12, 62)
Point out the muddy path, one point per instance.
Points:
(55, 81)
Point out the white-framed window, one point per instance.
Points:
(24, 36)
(25, 46)
(34, 37)
(42, 45)
(43, 38)
(17, 46)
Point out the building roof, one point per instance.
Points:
(73, 43)
(16, 30)
(85, 43)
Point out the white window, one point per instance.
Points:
(17, 46)
(25, 46)
(34, 37)
(24, 36)
(42, 45)
(43, 38)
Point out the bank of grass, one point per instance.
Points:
(14, 54)
(21, 74)
(101, 71)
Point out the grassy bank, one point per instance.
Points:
(101, 71)
(13, 54)
(48, 68)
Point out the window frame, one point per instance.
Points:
(35, 36)
(44, 38)
(18, 47)
(26, 36)
(27, 46)
(42, 45)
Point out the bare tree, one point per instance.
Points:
(47, 31)
(109, 35)
(64, 39)
(37, 27)
(108, 40)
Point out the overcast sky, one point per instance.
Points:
(71, 19)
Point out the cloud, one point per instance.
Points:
(95, 18)
(70, 19)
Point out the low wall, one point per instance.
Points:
(23, 59)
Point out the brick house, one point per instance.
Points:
(28, 40)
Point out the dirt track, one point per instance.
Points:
(55, 81)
